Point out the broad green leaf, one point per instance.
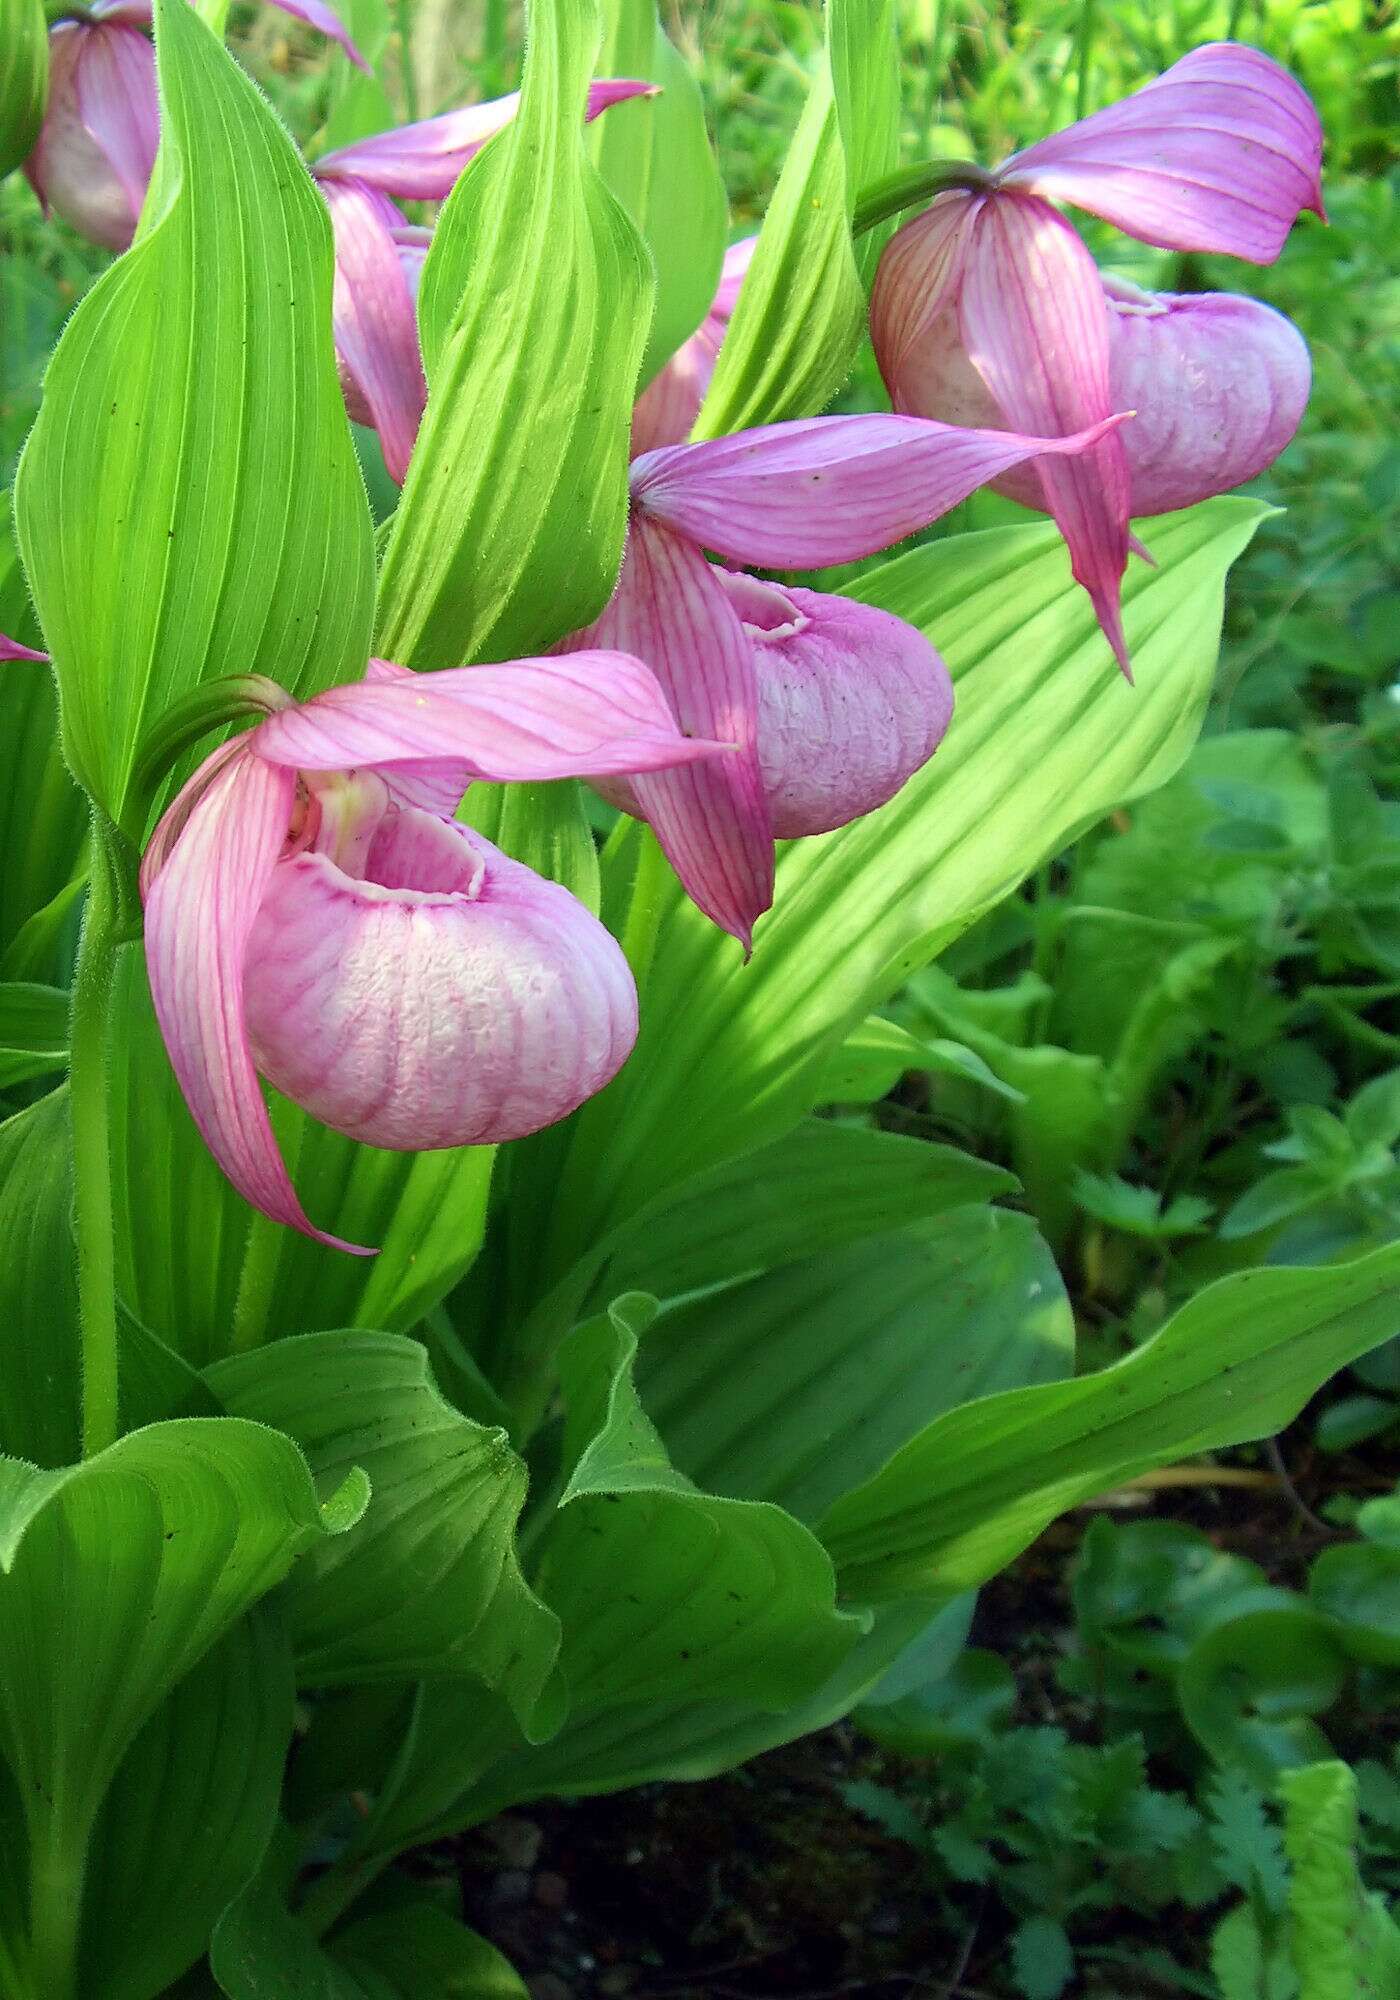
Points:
(188, 1814)
(1250, 1687)
(199, 1270)
(24, 78)
(1238, 1362)
(801, 1385)
(1046, 737)
(116, 1578)
(413, 1951)
(188, 503)
(533, 310)
(39, 1367)
(656, 157)
(428, 1582)
(801, 312)
(543, 825)
(1358, 1586)
(33, 1031)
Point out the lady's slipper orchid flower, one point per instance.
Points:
(92, 160)
(667, 408)
(314, 914)
(379, 257)
(832, 704)
(988, 308)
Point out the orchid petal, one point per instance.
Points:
(851, 702)
(375, 323)
(1035, 322)
(828, 489)
(667, 408)
(103, 73)
(201, 905)
(326, 22)
(423, 161)
(450, 998)
(916, 287)
(11, 649)
(1219, 385)
(584, 714)
(1218, 153)
(711, 818)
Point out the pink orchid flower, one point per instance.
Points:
(666, 410)
(988, 308)
(92, 160)
(379, 257)
(832, 704)
(315, 915)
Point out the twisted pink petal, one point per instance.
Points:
(423, 162)
(1219, 153)
(711, 818)
(375, 320)
(828, 489)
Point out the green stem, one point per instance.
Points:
(92, 1165)
(57, 1870)
(912, 185)
(263, 1247)
(404, 14)
(1084, 52)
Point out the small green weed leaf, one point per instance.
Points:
(509, 533)
(188, 504)
(1237, 1362)
(429, 1581)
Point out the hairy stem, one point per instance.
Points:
(92, 1164)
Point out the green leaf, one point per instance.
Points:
(1237, 1362)
(116, 1577)
(193, 432)
(879, 1052)
(545, 826)
(33, 1032)
(1250, 1686)
(1343, 1944)
(800, 1386)
(39, 1366)
(188, 1814)
(1042, 1963)
(1046, 738)
(24, 78)
(510, 529)
(195, 1265)
(1290, 1191)
(1358, 1586)
(656, 157)
(801, 312)
(428, 1582)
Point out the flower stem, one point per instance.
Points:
(1088, 9)
(262, 1252)
(404, 13)
(92, 1165)
(911, 186)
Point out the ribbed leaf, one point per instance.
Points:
(534, 309)
(33, 1031)
(188, 503)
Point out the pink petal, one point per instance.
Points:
(851, 702)
(1219, 153)
(375, 322)
(1219, 385)
(1035, 323)
(589, 713)
(326, 22)
(916, 289)
(711, 818)
(202, 901)
(451, 998)
(423, 162)
(11, 649)
(667, 408)
(828, 489)
(92, 161)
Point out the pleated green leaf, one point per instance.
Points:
(39, 1369)
(33, 1031)
(1236, 1363)
(428, 1582)
(656, 156)
(24, 78)
(188, 504)
(801, 313)
(1046, 737)
(116, 1577)
(534, 309)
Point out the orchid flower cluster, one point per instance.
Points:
(314, 912)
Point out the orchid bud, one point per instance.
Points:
(92, 161)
